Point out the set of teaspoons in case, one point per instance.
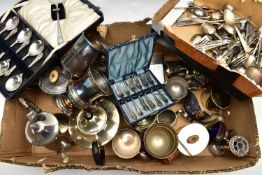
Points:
(137, 102)
(22, 40)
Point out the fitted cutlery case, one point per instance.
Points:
(137, 91)
(51, 52)
(238, 83)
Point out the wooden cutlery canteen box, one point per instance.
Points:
(181, 36)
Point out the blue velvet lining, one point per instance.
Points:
(130, 57)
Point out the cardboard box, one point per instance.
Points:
(182, 35)
(15, 149)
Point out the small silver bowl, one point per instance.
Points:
(126, 144)
(160, 141)
(177, 87)
(167, 117)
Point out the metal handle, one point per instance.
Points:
(10, 70)
(11, 33)
(159, 103)
(151, 104)
(163, 97)
(98, 153)
(243, 41)
(130, 111)
(60, 38)
(23, 46)
(2, 31)
(185, 148)
(143, 103)
(2, 54)
(36, 59)
(137, 108)
(27, 104)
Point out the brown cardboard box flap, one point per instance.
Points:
(182, 36)
(16, 150)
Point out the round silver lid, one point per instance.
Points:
(54, 82)
(44, 131)
(92, 122)
(103, 137)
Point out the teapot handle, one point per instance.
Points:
(98, 153)
(28, 105)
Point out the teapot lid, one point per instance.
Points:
(43, 131)
(105, 135)
(92, 122)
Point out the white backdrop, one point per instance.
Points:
(118, 11)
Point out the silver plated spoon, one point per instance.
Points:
(36, 48)
(230, 19)
(60, 38)
(14, 31)
(11, 24)
(229, 29)
(2, 54)
(229, 7)
(209, 29)
(251, 60)
(22, 46)
(23, 36)
(216, 15)
(4, 66)
(14, 82)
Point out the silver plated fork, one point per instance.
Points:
(132, 86)
(140, 87)
(151, 81)
(146, 84)
(121, 95)
(126, 89)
